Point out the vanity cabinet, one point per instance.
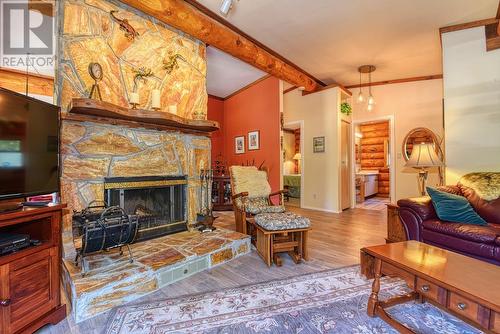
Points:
(371, 184)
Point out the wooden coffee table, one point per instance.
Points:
(461, 285)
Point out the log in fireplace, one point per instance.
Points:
(159, 203)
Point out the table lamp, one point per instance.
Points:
(423, 156)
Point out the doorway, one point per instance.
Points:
(345, 165)
(373, 172)
(293, 163)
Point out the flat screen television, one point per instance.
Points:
(29, 146)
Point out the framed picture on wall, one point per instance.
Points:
(239, 145)
(253, 140)
(318, 144)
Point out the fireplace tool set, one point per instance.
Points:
(206, 218)
(102, 228)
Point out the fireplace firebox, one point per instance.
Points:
(159, 203)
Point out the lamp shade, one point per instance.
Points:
(297, 156)
(423, 156)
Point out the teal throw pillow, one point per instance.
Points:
(454, 208)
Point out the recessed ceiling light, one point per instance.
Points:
(302, 88)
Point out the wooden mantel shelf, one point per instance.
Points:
(82, 109)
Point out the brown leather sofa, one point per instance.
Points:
(482, 190)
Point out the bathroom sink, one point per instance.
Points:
(367, 172)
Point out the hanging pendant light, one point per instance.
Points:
(361, 98)
(371, 100)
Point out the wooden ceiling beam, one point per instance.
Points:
(183, 16)
(228, 24)
(40, 5)
(492, 32)
(16, 81)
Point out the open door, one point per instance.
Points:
(345, 165)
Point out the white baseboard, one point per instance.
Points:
(320, 209)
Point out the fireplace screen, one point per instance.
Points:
(159, 203)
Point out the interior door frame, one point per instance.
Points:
(392, 150)
(350, 144)
(302, 162)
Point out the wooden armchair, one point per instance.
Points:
(242, 213)
(273, 230)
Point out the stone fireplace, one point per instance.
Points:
(151, 173)
(98, 156)
(147, 165)
(159, 203)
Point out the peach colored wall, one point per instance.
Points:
(412, 105)
(320, 115)
(472, 104)
(256, 108)
(216, 113)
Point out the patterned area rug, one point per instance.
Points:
(332, 301)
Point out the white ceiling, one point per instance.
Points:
(331, 38)
(226, 74)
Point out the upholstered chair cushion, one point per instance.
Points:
(258, 205)
(251, 180)
(281, 221)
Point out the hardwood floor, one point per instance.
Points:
(334, 242)
(374, 203)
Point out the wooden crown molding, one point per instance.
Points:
(187, 18)
(248, 86)
(229, 25)
(15, 80)
(241, 89)
(468, 25)
(289, 89)
(345, 90)
(216, 97)
(396, 81)
(493, 33)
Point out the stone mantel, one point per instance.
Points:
(108, 113)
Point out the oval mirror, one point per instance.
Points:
(418, 136)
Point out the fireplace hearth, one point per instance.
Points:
(158, 202)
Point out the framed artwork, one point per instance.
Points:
(253, 140)
(239, 145)
(318, 144)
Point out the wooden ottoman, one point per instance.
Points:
(279, 233)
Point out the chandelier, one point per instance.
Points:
(366, 69)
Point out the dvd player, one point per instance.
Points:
(10, 242)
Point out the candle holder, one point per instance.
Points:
(134, 99)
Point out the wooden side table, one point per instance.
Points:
(395, 229)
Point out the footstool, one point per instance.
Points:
(279, 233)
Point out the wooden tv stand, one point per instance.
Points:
(30, 278)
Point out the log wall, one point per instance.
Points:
(373, 146)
